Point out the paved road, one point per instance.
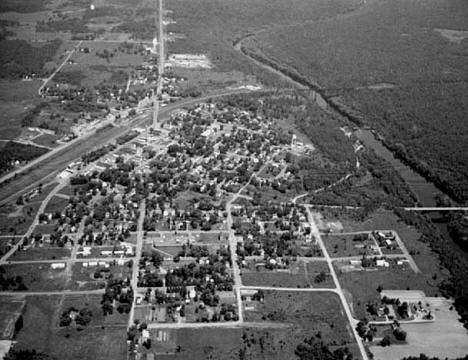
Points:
(273, 288)
(80, 260)
(136, 260)
(219, 324)
(233, 245)
(436, 208)
(352, 322)
(49, 293)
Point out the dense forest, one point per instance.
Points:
(19, 59)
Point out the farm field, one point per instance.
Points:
(404, 97)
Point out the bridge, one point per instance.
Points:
(436, 208)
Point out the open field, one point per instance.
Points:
(56, 204)
(308, 313)
(45, 253)
(83, 277)
(361, 286)
(426, 260)
(38, 277)
(42, 333)
(297, 315)
(404, 97)
(17, 219)
(295, 276)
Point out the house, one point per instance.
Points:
(57, 266)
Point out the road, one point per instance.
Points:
(136, 259)
(233, 245)
(436, 208)
(352, 322)
(59, 68)
(219, 324)
(274, 288)
(41, 209)
(50, 293)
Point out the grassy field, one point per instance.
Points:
(56, 204)
(295, 276)
(308, 313)
(15, 98)
(38, 277)
(291, 316)
(361, 286)
(83, 279)
(343, 245)
(416, 104)
(45, 253)
(426, 260)
(96, 341)
(17, 219)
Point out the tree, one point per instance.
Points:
(399, 334)
(386, 341)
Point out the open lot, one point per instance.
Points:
(45, 253)
(308, 313)
(38, 277)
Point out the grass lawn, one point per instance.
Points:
(293, 277)
(45, 253)
(38, 277)
(343, 245)
(83, 277)
(56, 204)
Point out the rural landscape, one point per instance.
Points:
(244, 179)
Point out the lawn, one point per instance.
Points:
(293, 277)
(38, 277)
(96, 341)
(56, 204)
(343, 245)
(83, 277)
(45, 253)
